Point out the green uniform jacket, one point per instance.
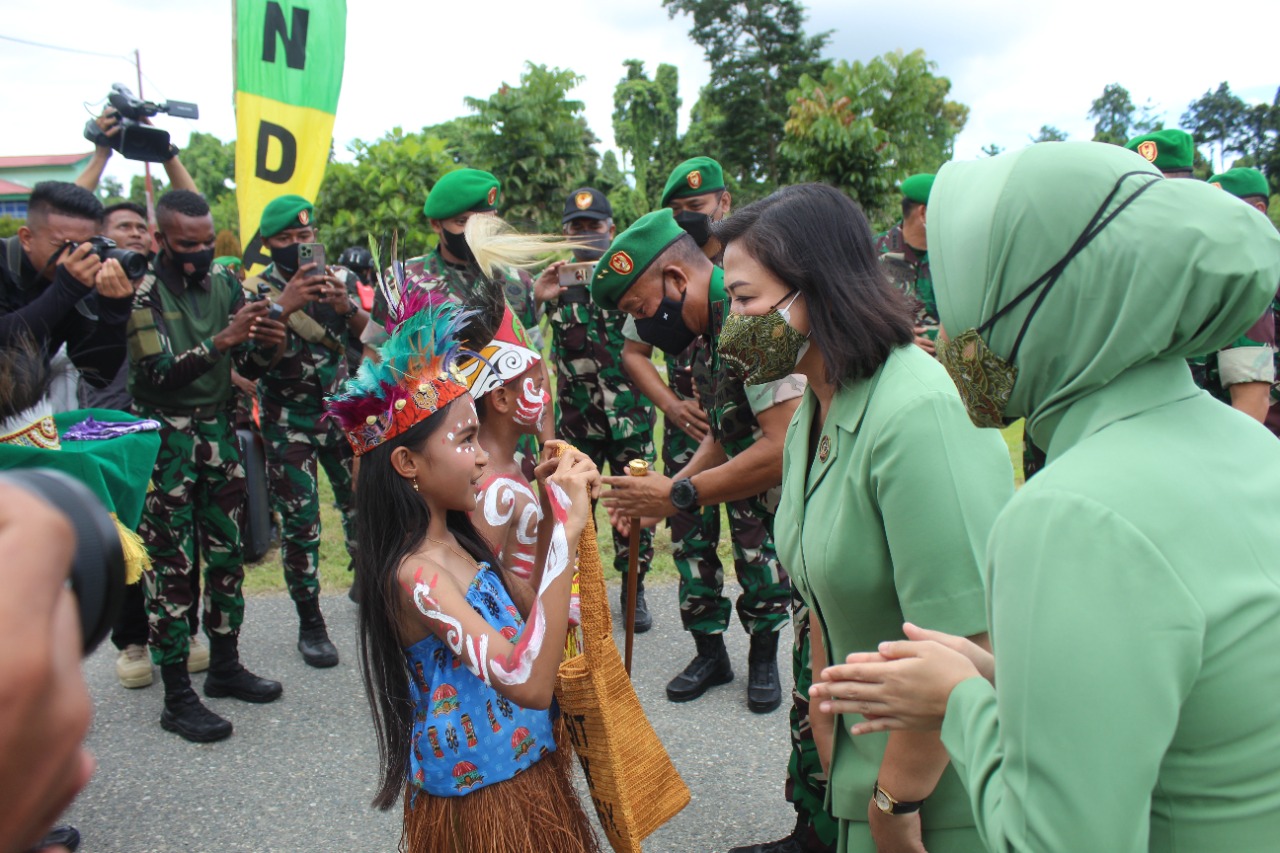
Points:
(1137, 658)
(890, 524)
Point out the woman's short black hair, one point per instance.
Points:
(816, 239)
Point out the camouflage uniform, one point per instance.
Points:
(598, 410)
(291, 405)
(179, 379)
(1250, 359)
(806, 788)
(731, 407)
(909, 271)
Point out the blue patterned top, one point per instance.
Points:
(465, 734)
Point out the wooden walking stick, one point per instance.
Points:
(635, 468)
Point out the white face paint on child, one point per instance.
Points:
(531, 404)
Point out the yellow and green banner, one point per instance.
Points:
(289, 58)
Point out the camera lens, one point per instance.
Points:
(134, 263)
(97, 571)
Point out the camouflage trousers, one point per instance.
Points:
(766, 589)
(294, 455)
(197, 504)
(617, 453)
(806, 788)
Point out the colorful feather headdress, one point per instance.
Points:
(415, 375)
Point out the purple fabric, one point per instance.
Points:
(94, 430)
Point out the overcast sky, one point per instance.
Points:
(1017, 65)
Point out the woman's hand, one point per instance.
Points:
(905, 685)
(579, 479)
(977, 655)
(895, 833)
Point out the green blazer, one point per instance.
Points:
(890, 524)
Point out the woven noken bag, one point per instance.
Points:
(634, 786)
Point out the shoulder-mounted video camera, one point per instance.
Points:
(137, 141)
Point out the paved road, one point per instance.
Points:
(298, 773)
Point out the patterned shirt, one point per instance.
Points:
(909, 271)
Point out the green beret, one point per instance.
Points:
(229, 261)
(462, 190)
(693, 177)
(1169, 150)
(285, 212)
(917, 187)
(1242, 182)
(631, 254)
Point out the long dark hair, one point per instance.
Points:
(392, 523)
(816, 239)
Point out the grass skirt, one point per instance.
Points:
(536, 811)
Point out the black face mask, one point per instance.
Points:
(666, 329)
(201, 261)
(599, 242)
(696, 225)
(457, 246)
(286, 259)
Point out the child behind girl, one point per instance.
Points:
(459, 656)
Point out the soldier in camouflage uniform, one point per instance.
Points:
(738, 464)
(598, 409)
(322, 318)
(451, 268)
(188, 316)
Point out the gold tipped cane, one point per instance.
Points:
(635, 468)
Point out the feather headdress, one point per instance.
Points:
(415, 375)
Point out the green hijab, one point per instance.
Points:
(1182, 271)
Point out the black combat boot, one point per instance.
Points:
(183, 712)
(227, 677)
(644, 621)
(764, 693)
(60, 836)
(313, 640)
(709, 668)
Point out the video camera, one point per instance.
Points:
(97, 575)
(137, 141)
(133, 263)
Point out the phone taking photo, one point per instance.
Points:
(312, 253)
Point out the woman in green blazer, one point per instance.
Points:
(1133, 703)
(889, 492)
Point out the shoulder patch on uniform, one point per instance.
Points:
(621, 263)
(1149, 150)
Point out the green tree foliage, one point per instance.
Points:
(1112, 113)
(645, 116)
(212, 164)
(536, 141)
(1049, 133)
(627, 203)
(110, 190)
(383, 192)
(992, 150)
(758, 52)
(9, 226)
(865, 127)
(1217, 118)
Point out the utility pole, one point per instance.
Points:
(151, 200)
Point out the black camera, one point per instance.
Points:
(134, 263)
(97, 574)
(137, 141)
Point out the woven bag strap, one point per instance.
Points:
(593, 600)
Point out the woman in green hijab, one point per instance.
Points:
(888, 492)
(1133, 702)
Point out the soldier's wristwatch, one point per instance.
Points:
(887, 804)
(684, 495)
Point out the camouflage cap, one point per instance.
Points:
(1243, 183)
(462, 190)
(631, 254)
(285, 212)
(917, 187)
(693, 177)
(1169, 150)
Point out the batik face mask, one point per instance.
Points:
(984, 379)
(764, 347)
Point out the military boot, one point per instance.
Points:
(183, 712)
(228, 677)
(644, 621)
(313, 640)
(764, 693)
(709, 668)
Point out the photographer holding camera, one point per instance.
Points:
(61, 284)
(189, 316)
(109, 130)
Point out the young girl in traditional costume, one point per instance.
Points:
(459, 655)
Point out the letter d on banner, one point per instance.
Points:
(289, 60)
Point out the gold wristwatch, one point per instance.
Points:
(887, 804)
